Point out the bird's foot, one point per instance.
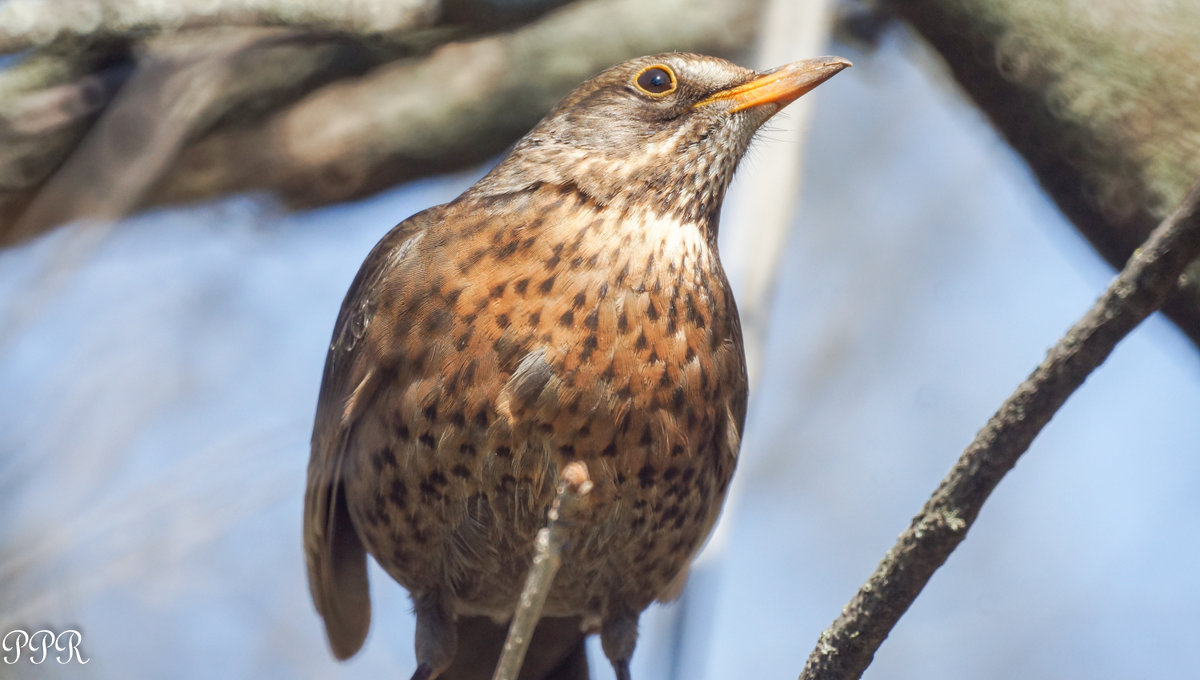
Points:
(618, 637)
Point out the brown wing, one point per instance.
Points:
(335, 555)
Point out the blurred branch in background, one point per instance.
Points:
(120, 107)
(1100, 98)
(847, 647)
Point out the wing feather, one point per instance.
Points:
(334, 552)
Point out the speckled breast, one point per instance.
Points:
(600, 334)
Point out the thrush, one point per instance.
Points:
(570, 306)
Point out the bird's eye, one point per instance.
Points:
(655, 80)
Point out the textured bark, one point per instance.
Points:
(140, 104)
(1101, 99)
(847, 647)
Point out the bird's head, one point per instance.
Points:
(669, 128)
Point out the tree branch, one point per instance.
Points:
(26, 24)
(847, 647)
(1100, 99)
(310, 116)
(573, 485)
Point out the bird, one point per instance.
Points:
(569, 306)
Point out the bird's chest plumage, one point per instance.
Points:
(568, 332)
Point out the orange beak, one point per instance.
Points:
(781, 86)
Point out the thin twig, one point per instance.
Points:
(573, 485)
(847, 647)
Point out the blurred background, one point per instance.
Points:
(187, 189)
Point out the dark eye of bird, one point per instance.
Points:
(656, 80)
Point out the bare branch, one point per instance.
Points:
(25, 24)
(573, 485)
(311, 117)
(847, 647)
(462, 104)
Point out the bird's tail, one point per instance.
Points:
(556, 652)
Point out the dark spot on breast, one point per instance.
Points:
(431, 413)
(689, 355)
(641, 342)
(502, 321)
(436, 479)
(677, 450)
(652, 312)
(436, 320)
(646, 475)
(471, 260)
(467, 450)
(567, 450)
(647, 438)
(427, 440)
(401, 431)
(498, 289)
(602, 292)
(610, 372)
(429, 492)
(503, 452)
(589, 346)
(610, 450)
(535, 318)
(508, 249)
(624, 274)
(578, 300)
(677, 398)
(461, 343)
(576, 263)
(452, 296)
(567, 319)
(398, 493)
(592, 320)
(481, 418)
(460, 471)
(547, 285)
(458, 419)
(521, 285)
(507, 483)
(623, 323)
